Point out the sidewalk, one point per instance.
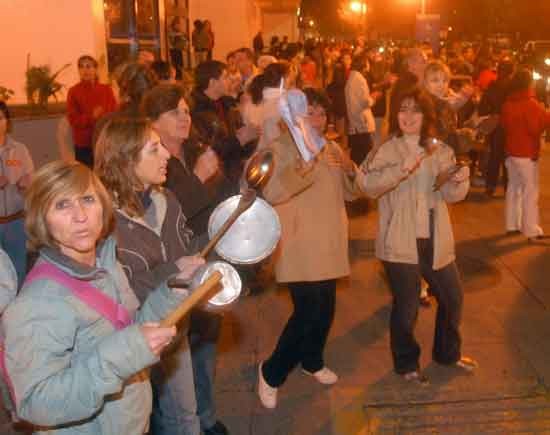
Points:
(506, 327)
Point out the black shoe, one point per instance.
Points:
(218, 429)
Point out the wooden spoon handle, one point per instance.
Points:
(198, 295)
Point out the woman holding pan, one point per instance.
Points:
(313, 250)
(154, 243)
(413, 178)
(74, 366)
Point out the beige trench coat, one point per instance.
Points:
(314, 239)
(384, 179)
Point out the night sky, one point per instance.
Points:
(531, 18)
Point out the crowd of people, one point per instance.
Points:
(127, 207)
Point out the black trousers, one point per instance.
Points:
(497, 155)
(84, 155)
(305, 334)
(445, 286)
(360, 145)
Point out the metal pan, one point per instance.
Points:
(231, 282)
(252, 237)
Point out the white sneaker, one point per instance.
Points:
(324, 376)
(268, 394)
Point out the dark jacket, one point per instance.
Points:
(147, 246)
(493, 98)
(196, 200)
(446, 122)
(214, 122)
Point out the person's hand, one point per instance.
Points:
(376, 94)
(392, 78)
(97, 112)
(336, 157)
(156, 337)
(24, 182)
(3, 181)
(207, 165)
(303, 167)
(188, 265)
(247, 133)
(412, 162)
(467, 91)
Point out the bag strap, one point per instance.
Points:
(111, 310)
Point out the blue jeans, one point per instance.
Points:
(445, 286)
(204, 332)
(174, 402)
(13, 240)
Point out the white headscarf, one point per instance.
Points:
(293, 110)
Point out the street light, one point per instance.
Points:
(422, 6)
(358, 7)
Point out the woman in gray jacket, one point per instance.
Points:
(413, 178)
(77, 341)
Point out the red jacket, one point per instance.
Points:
(524, 120)
(82, 99)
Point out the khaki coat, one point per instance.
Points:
(310, 205)
(396, 191)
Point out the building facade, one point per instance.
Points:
(57, 32)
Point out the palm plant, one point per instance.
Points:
(42, 84)
(5, 93)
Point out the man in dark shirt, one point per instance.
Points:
(491, 104)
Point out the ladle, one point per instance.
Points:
(258, 172)
(259, 169)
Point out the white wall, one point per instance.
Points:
(280, 24)
(54, 32)
(234, 22)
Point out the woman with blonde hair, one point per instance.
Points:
(154, 243)
(77, 340)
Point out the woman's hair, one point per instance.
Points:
(271, 78)
(6, 112)
(339, 74)
(521, 80)
(84, 58)
(317, 98)
(359, 62)
(426, 107)
(407, 81)
(117, 152)
(134, 80)
(55, 179)
(437, 66)
(162, 69)
(161, 99)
